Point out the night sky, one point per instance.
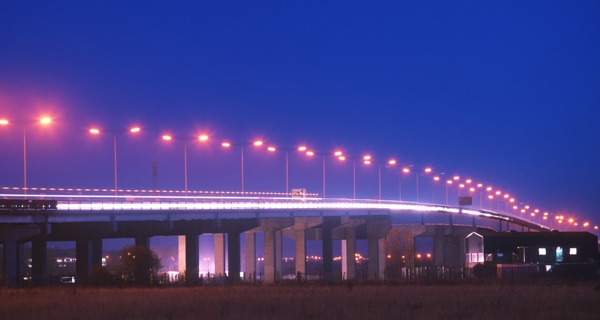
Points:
(506, 93)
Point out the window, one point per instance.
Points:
(542, 251)
(573, 251)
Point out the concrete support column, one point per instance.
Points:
(233, 256)
(348, 254)
(13, 263)
(269, 262)
(327, 253)
(83, 254)
(96, 256)
(219, 254)
(39, 262)
(373, 253)
(376, 230)
(191, 256)
(278, 254)
(250, 255)
(300, 243)
(181, 267)
(439, 246)
(382, 257)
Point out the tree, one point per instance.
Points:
(138, 264)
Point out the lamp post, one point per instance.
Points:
(96, 131)
(202, 138)
(427, 170)
(228, 145)
(43, 121)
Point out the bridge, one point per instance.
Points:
(87, 219)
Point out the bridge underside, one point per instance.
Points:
(448, 242)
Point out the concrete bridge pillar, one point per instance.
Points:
(39, 262)
(327, 251)
(300, 256)
(190, 249)
(181, 256)
(250, 255)
(13, 263)
(376, 231)
(273, 259)
(219, 244)
(348, 254)
(88, 254)
(233, 256)
(14, 258)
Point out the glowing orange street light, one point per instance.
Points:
(96, 131)
(43, 121)
(227, 145)
(167, 137)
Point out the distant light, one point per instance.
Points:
(46, 120)
(301, 148)
(203, 137)
(456, 177)
(488, 189)
(512, 200)
(337, 153)
(226, 144)
(472, 189)
(3, 122)
(449, 182)
(461, 185)
(272, 149)
(468, 181)
(342, 158)
(167, 137)
(258, 143)
(310, 153)
(405, 170)
(94, 131)
(480, 185)
(527, 207)
(135, 130)
(515, 207)
(436, 178)
(536, 210)
(367, 162)
(428, 170)
(498, 193)
(506, 196)
(490, 197)
(367, 157)
(392, 162)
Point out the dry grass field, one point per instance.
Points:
(466, 301)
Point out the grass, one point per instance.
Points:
(465, 301)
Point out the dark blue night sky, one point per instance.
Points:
(506, 93)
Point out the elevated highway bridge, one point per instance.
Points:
(87, 219)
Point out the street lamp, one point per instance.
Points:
(43, 121)
(201, 138)
(426, 170)
(228, 145)
(96, 131)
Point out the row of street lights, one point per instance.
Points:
(366, 160)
